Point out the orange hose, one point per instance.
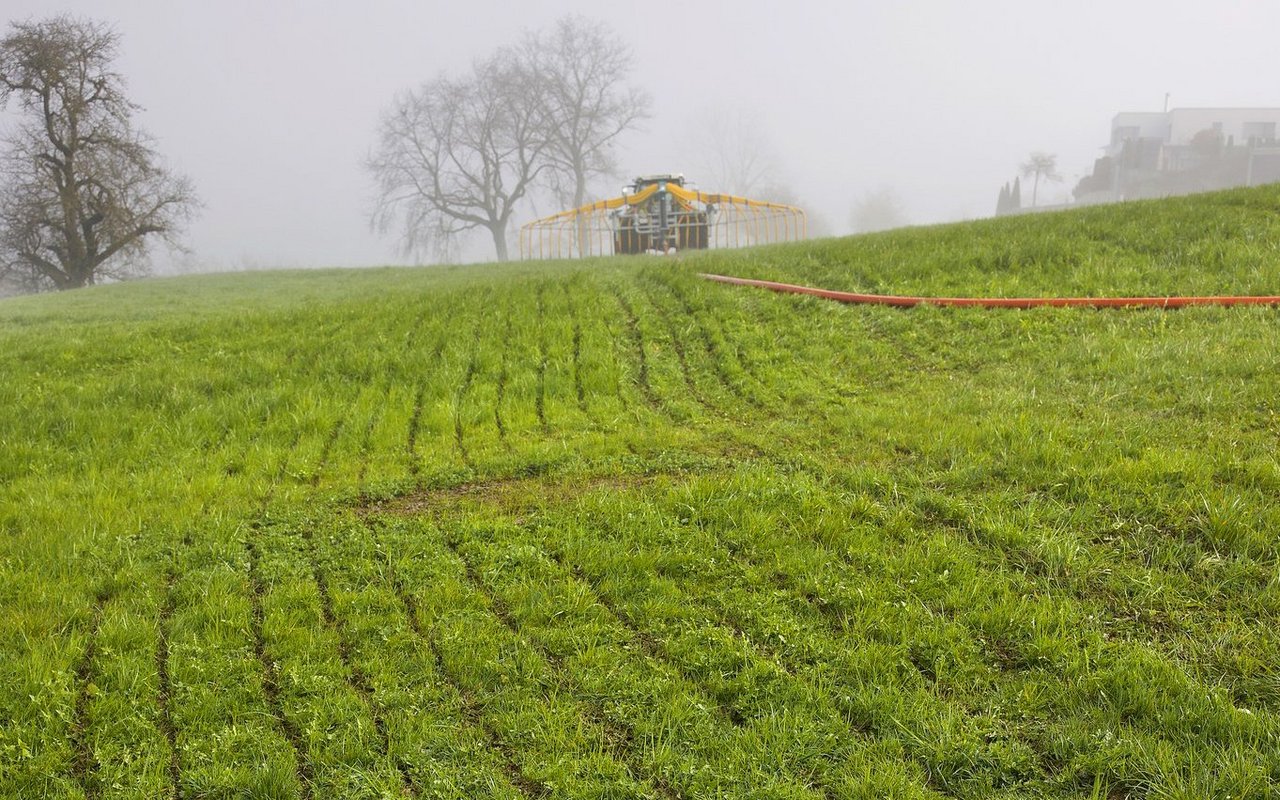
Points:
(1001, 302)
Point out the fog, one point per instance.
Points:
(271, 107)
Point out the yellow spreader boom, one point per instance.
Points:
(657, 214)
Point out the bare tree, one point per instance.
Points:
(1040, 165)
(459, 154)
(734, 154)
(878, 211)
(582, 67)
(83, 191)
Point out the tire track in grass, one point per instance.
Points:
(823, 711)
(826, 387)
(655, 649)
(375, 416)
(715, 357)
(270, 404)
(636, 335)
(732, 433)
(500, 389)
(649, 644)
(578, 387)
(420, 392)
(522, 372)
(236, 464)
(655, 658)
(1086, 594)
(460, 397)
(739, 353)
(447, 756)
(540, 402)
(323, 460)
(355, 676)
(271, 672)
(682, 360)
(934, 510)
(751, 557)
(620, 358)
(766, 316)
(733, 627)
(620, 740)
(815, 399)
(926, 510)
(527, 786)
(415, 418)
(1158, 556)
(164, 693)
(748, 636)
(791, 584)
(339, 425)
(932, 699)
(366, 437)
(657, 404)
(566, 391)
(193, 643)
(717, 353)
(84, 765)
(471, 711)
(281, 470)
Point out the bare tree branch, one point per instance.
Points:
(733, 153)
(582, 67)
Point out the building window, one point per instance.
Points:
(1124, 133)
(1259, 132)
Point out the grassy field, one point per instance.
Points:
(604, 530)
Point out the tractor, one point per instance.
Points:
(663, 222)
(661, 214)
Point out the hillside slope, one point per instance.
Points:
(602, 529)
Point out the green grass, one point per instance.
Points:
(602, 529)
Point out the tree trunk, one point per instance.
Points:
(1035, 188)
(579, 185)
(580, 197)
(498, 231)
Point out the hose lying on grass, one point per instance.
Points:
(1000, 302)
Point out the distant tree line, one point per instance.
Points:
(1010, 200)
(460, 152)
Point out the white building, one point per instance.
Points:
(1153, 154)
(1179, 127)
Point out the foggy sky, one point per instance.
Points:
(270, 107)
